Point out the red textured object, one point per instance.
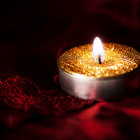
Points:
(17, 92)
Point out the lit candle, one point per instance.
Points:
(96, 70)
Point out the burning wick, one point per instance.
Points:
(98, 51)
(100, 62)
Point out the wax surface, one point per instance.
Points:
(119, 59)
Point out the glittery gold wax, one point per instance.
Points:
(119, 59)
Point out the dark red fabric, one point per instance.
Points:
(19, 93)
(27, 112)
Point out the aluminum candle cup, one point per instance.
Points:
(82, 76)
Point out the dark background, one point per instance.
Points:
(32, 32)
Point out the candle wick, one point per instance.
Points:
(99, 59)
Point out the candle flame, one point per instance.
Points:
(98, 51)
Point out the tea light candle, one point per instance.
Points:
(96, 71)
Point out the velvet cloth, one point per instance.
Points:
(32, 104)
